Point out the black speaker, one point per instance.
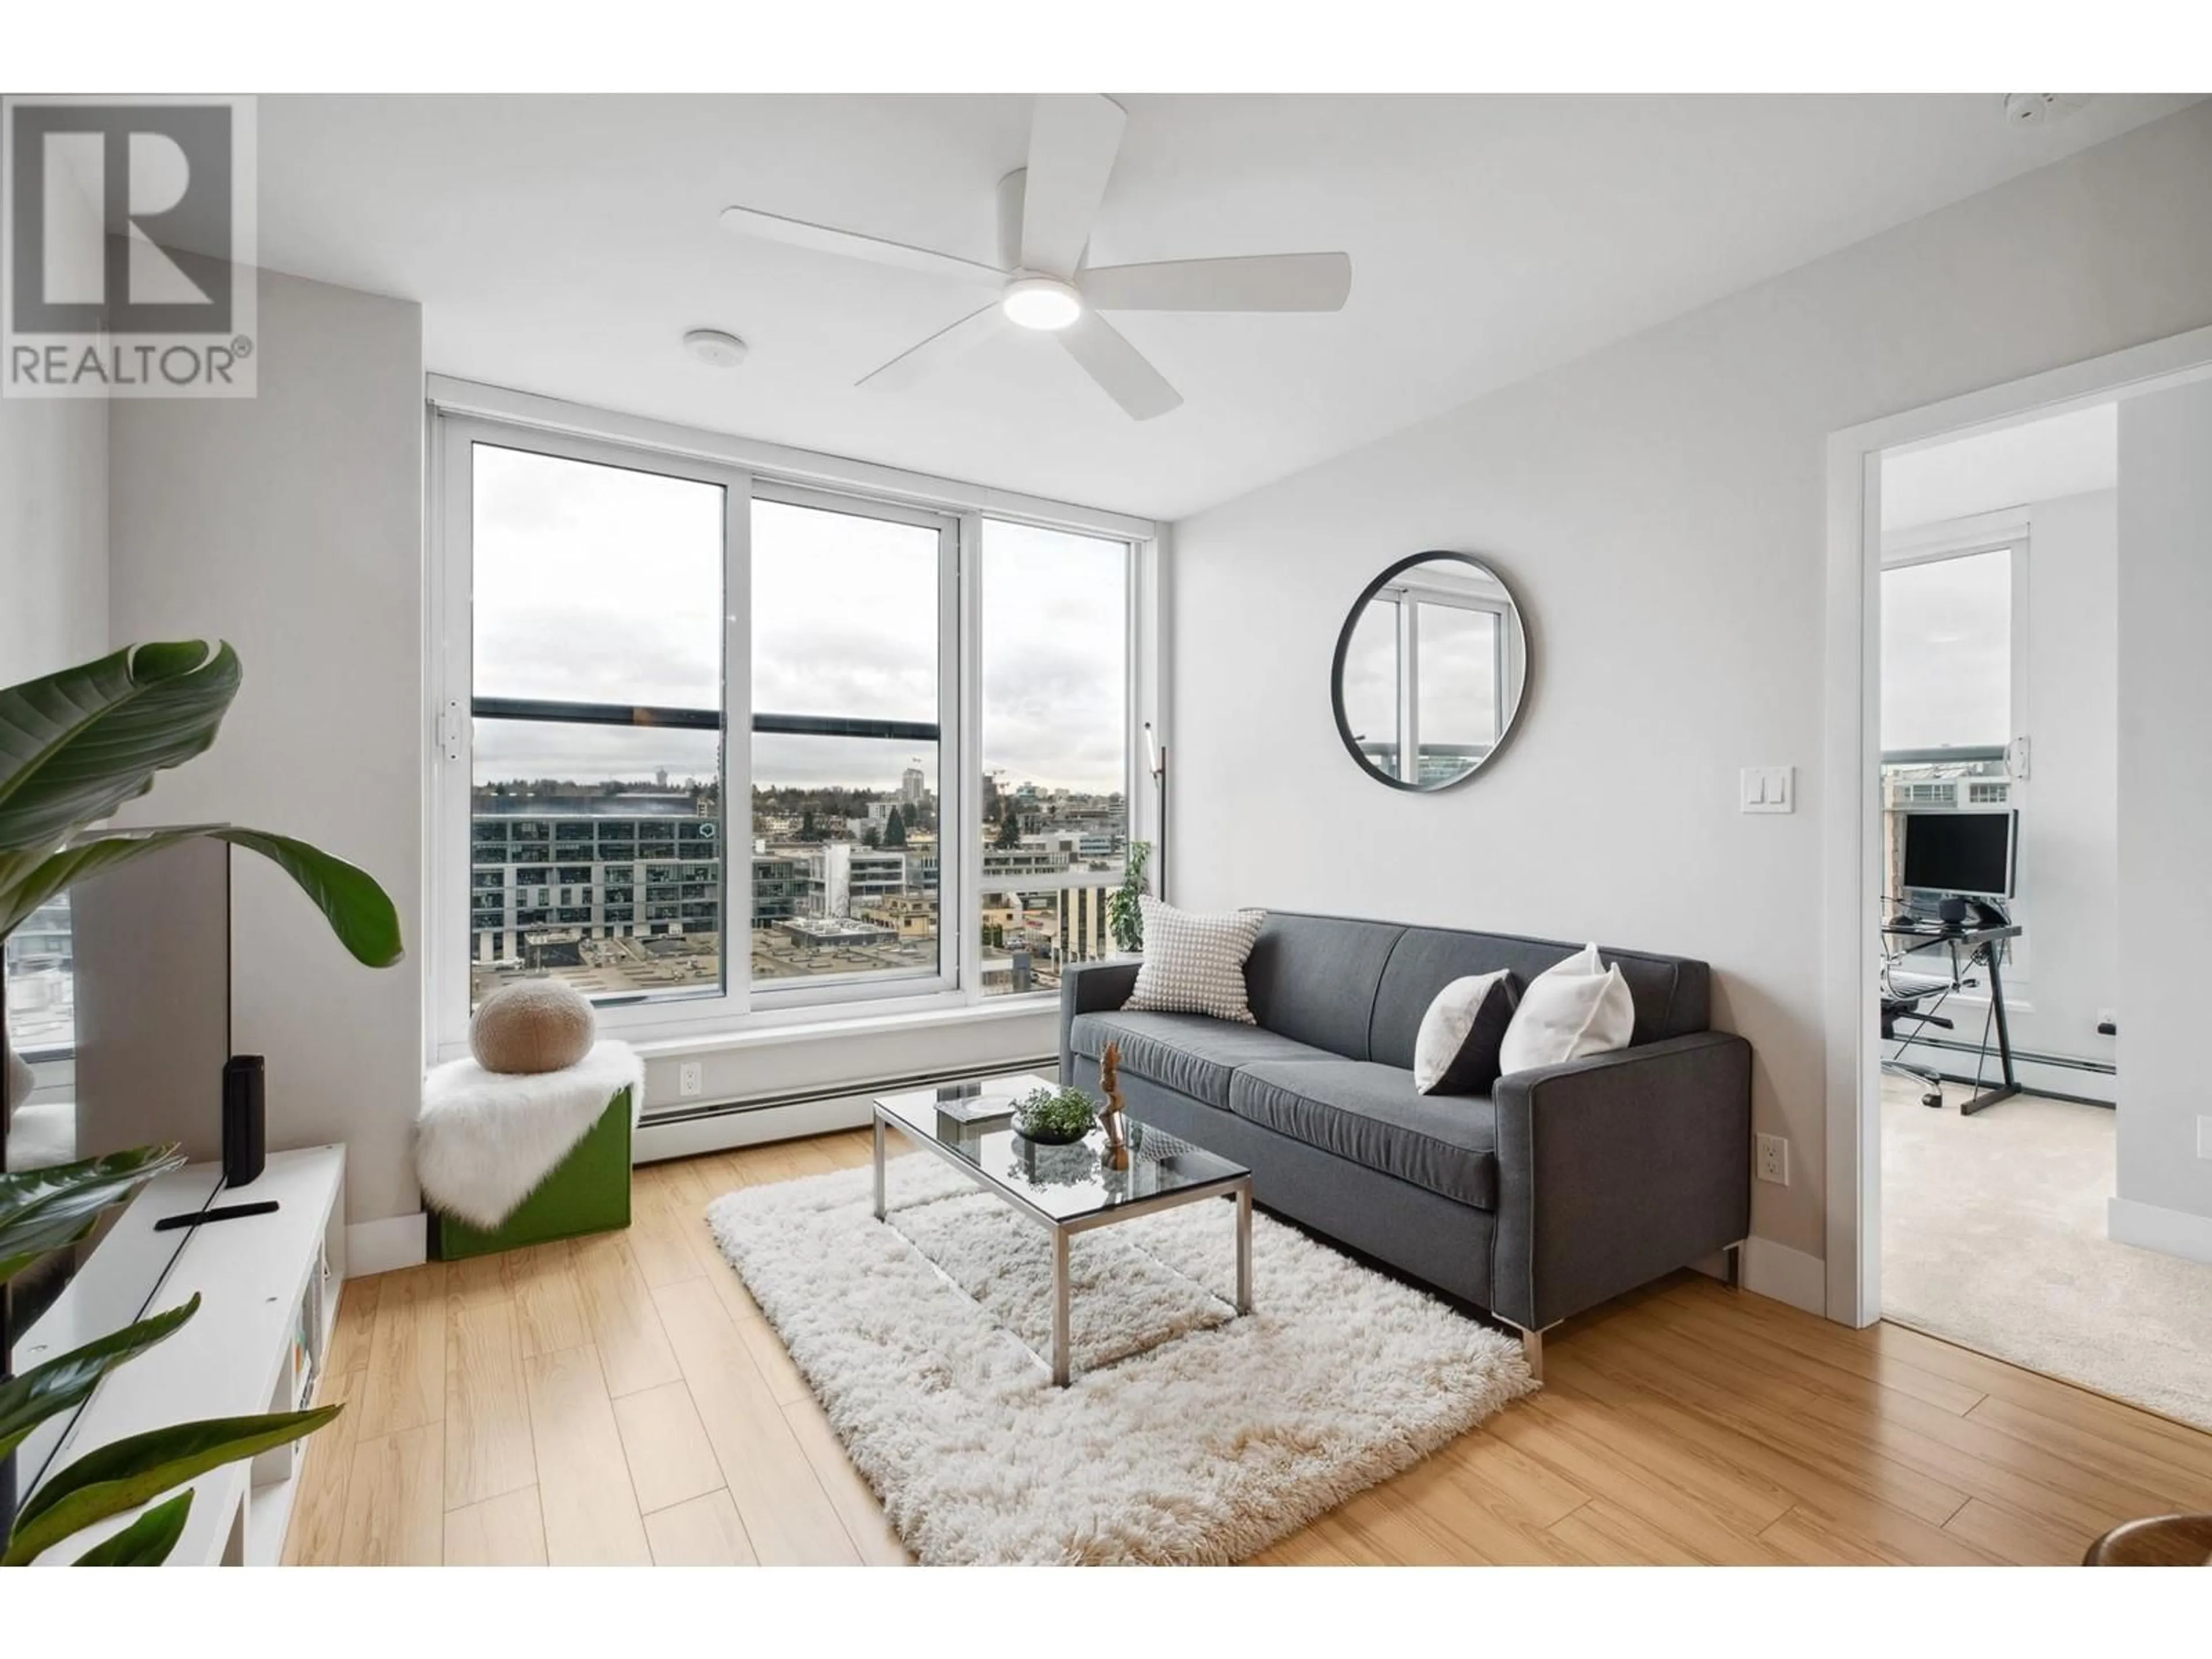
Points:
(244, 1127)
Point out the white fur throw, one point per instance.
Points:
(487, 1140)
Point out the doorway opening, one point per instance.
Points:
(2007, 667)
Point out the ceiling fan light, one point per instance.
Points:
(1040, 302)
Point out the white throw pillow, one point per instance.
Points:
(1456, 1052)
(1578, 1008)
(1195, 963)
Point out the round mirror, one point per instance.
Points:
(1431, 668)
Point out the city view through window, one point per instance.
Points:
(600, 817)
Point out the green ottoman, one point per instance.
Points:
(588, 1191)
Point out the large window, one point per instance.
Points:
(596, 790)
(848, 687)
(1056, 751)
(1947, 629)
(1950, 707)
(930, 801)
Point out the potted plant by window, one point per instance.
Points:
(1125, 917)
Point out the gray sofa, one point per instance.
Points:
(1563, 1187)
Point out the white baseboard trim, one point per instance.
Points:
(1786, 1275)
(2154, 1227)
(379, 1247)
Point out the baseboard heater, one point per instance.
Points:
(1045, 1064)
(2020, 1057)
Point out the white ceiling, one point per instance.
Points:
(563, 244)
(2068, 454)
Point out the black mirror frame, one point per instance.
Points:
(1344, 647)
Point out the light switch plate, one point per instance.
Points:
(1768, 789)
(2204, 1137)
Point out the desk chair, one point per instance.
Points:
(1897, 1004)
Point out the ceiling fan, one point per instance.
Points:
(1045, 214)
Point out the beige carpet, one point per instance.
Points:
(1993, 1237)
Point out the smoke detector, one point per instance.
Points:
(2031, 109)
(711, 345)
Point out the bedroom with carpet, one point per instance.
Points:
(901, 825)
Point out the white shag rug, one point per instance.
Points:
(1188, 1435)
(1993, 1236)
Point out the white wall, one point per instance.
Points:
(53, 534)
(2166, 780)
(291, 524)
(2070, 803)
(1661, 507)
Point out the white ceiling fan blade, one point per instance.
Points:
(1119, 368)
(825, 239)
(941, 348)
(1264, 282)
(1073, 138)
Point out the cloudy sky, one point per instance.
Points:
(599, 585)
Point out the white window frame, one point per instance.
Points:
(462, 413)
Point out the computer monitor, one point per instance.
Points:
(1968, 853)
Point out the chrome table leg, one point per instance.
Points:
(879, 1166)
(1244, 1248)
(1059, 1307)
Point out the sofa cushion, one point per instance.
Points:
(1191, 1053)
(1314, 978)
(1373, 1116)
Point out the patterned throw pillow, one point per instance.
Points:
(1194, 962)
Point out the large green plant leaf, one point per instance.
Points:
(59, 1385)
(76, 745)
(125, 1474)
(43, 1209)
(146, 1541)
(359, 911)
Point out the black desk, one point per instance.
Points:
(1969, 943)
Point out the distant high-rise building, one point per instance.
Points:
(661, 778)
(911, 785)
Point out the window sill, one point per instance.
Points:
(842, 1027)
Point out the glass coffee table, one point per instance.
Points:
(1066, 1190)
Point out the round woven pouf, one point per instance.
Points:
(533, 1025)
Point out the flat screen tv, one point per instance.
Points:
(117, 997)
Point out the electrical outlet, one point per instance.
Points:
(2204, 1137)
(690, 1079)
(1774, 1160)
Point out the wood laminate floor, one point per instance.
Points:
(620, 1399)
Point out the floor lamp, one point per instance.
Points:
(1156, 761)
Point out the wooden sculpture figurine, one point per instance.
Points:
(1113, 1120)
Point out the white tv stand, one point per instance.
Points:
(263, 1280)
